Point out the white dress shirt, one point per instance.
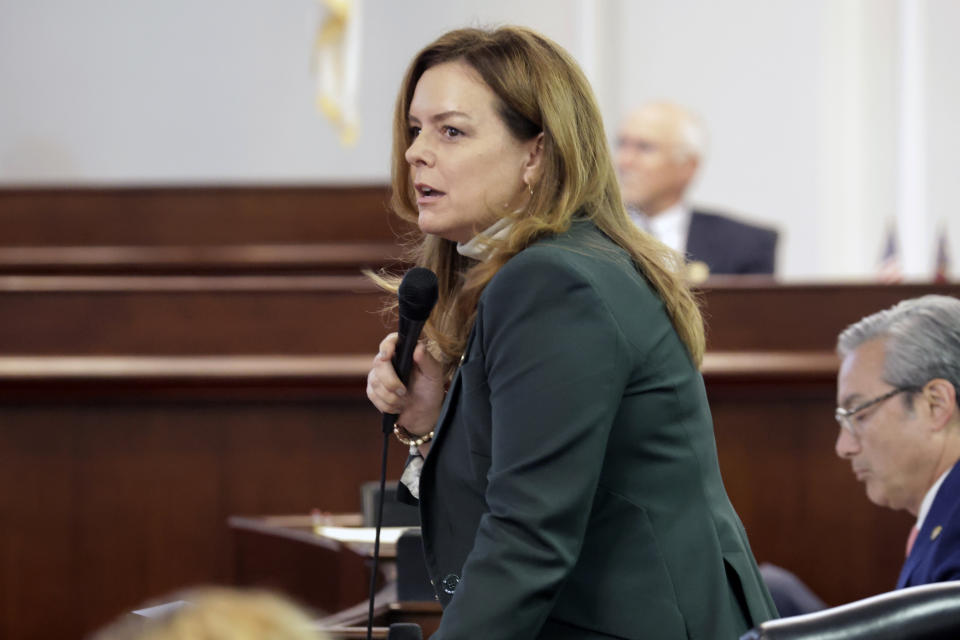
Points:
(670, 226)
(928, 499)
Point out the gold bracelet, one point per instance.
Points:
(408, 438)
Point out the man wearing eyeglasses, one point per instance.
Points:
(900, 424)
(659, 150)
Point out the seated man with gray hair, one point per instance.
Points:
(900, 424)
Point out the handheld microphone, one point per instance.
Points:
(417, 296)
(404, 631)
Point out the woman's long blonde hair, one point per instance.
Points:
(540, 89)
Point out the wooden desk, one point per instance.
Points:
(285, 553)
(388, 610)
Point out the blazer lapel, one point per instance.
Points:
(926, 539)
(937, 518)
(449, 402)
(445, 411)
(918, 551)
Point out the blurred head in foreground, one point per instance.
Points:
(219, 613)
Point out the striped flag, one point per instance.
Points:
(337, 63)
(941, 271)
(890, 271)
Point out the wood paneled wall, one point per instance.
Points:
(170, 357)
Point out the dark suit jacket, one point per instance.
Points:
(728, 246)
(572, 489)
(935, 556)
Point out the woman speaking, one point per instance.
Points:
(570, 486)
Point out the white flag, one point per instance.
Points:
(337, 58)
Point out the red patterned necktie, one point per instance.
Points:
(911, 539)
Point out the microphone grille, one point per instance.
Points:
(418, 294)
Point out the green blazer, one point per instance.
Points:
(572, 489)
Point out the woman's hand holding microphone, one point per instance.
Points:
(418, 404)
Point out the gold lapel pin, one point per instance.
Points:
(936, 532)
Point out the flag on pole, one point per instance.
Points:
(941, 271)
(337, 63)
(890, 271)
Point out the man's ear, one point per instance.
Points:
(534, 161)
(940, 397)
(690, 166)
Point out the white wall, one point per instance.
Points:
(175, 91)
(746, 67)
(856, 135)
(942, 77)
(804, 100)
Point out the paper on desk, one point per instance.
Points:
(388, 535)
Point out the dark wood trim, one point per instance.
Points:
(192, 259)
(196, 215)
(802, 317)
(69, 379)
(781, 366)
(186, 284)
(766, 287)
(309, 377)
(198, 229)
(211, 369)
(216, 370)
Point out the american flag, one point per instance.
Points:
(942, 267)
(890, 271)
